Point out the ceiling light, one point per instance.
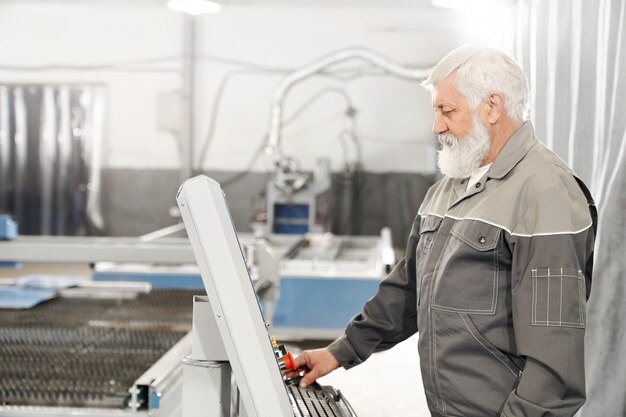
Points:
(469, 4)
(194, 7)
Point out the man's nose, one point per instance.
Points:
(439, 126)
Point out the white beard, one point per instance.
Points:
(458, 158)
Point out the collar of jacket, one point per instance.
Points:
(513, 151)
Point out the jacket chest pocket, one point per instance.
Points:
(466, 277)
(428, 230)
(429, 226)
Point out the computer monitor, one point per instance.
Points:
(232, 297)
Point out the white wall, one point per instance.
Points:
(33, 35)
(394, 120)
(394, 116)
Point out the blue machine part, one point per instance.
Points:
(49, 282)
(321, 303)
(157, 280)
(155, 400)
(291, 218)
(8, 228)
(24, 298)
(10, 265)
(31, 290)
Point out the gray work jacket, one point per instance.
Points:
(496, 279)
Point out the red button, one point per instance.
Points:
(289, 362)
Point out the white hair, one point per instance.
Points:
(482, 70)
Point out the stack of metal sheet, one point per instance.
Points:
(87, 352)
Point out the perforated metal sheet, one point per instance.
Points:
(87, 352)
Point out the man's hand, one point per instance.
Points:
(315, 364)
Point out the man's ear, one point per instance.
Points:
(495, 102)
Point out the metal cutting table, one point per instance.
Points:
(96, 350)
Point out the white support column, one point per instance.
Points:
(206, 372)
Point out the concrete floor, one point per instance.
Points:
(387, 384)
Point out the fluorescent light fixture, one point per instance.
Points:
(449, 4)
(468, 4)
(194, 7)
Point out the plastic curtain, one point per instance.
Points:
(50, 139)
(574, 52)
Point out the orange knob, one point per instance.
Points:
(289, 362)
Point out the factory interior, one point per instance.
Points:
(311, 118)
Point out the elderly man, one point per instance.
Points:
(498, 263)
